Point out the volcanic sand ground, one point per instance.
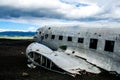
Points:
(13, 65)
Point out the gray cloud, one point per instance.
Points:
(11, 12)
(61, 10)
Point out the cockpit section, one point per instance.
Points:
(39, 36)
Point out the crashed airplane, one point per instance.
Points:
(72, 49)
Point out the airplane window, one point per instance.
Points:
(39, 32)
(49, 28)
(46, 36)
(53, 37)
(60, 37)
(80, 40)
(109, 45)
(69, 38)
(93, 43)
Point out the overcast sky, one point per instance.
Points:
(28, 15)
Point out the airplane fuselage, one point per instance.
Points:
(98, 46)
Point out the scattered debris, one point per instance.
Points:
(24, 74)
(31, 65)
(22, 52)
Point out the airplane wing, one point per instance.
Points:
(100, 59)
(63, 60)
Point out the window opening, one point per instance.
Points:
(49, 28)
(93, 43)
(80, 40)
(40, 32)
(53, 37)
(69, 38)
(60, 37)
(46, 36)
(109, 45)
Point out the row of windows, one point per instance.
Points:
(109, 45)
(80, 40)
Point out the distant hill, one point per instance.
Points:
(16, 33)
